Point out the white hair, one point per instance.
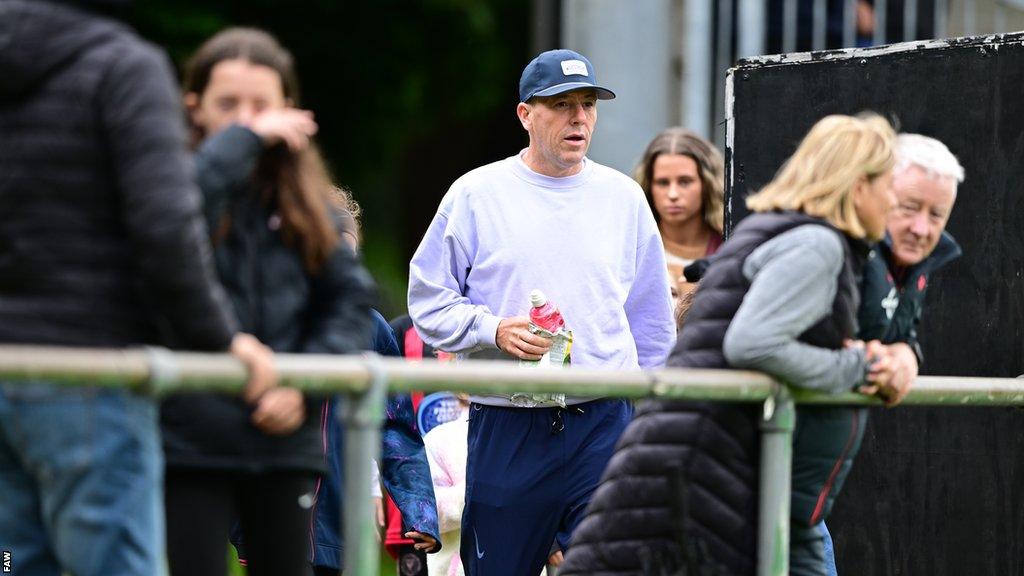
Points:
(929, 155)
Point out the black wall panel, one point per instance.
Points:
(935, 491)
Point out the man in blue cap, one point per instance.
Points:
(547, 218)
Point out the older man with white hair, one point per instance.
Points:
(892, 294)
(916, 244)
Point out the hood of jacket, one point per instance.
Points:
(39, 38)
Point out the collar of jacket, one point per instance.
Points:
(945, 252)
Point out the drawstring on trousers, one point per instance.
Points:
(557, 422)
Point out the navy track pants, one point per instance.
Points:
(529, 476)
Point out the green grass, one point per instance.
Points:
(387, 565)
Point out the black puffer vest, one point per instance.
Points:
(680, 494)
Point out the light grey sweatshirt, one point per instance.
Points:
(793, 285)
(588, 241)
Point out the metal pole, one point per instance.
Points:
(362, 416)
(723, 61)
(789, 25)
(776, 471)
(820, 18)
(909, 20)
(970, 18)
(880, 18)
(941, 19)
(849, 23)
(544, 26)
(698, 76)
(752, 24)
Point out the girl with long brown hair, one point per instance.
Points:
(292, 282)
(682, 176)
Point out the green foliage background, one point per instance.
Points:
(408, 95)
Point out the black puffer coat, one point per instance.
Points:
(101, 239)
(679, 497)
(276, 300)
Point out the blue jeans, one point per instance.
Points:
(830, 553)
(80, 481)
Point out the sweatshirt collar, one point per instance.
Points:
(524, 172)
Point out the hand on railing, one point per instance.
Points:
(280, 411)
(259, 359)
(893, 371)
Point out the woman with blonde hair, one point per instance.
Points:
(780, 297)
(682, 176)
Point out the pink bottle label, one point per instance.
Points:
(547, 317)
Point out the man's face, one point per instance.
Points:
(923, 208)
(560, 129)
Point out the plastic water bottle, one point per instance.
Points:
(544, 314)
(546, 321)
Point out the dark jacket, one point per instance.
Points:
(406, 472)
(680, 494)
(277, 301)
(101, 239)
(894, 298)
(891, 305)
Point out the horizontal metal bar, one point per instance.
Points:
(136, 369)
(99, 367)
(939, 391)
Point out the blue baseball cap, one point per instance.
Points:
(558, 71)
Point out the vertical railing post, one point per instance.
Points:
(880, 22)
(941, 19)
(970, 18)
(776, 471)
(789, 25)
(751, 33)
(850, 24)
(362, 416)
(910, 20)
(699, 75)
(820, 18)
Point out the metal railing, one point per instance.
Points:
(367, 379)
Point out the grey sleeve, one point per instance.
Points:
(793, 284)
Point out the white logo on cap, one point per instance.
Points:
(574, 67)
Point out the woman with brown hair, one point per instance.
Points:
(292, 282)
(682, 176)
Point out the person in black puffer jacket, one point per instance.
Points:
(680, 495)
(291, 281)
(102, 244)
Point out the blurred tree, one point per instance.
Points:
(409, 95)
